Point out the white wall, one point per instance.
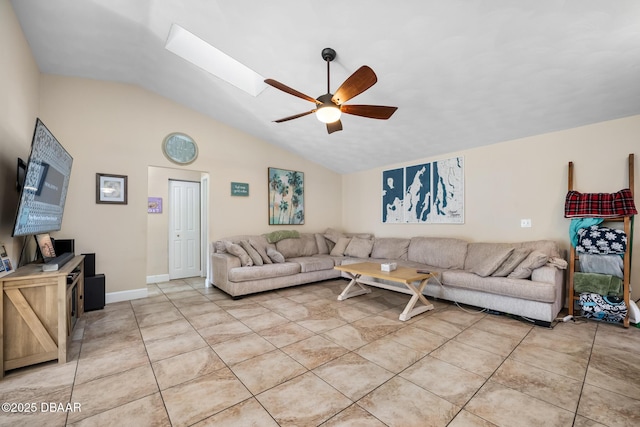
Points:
(118, 129)
(18, 109)
(514, 180)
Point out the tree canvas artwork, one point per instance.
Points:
(286, 197)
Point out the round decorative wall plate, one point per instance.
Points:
(180, 148)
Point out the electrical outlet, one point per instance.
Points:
(525, 223)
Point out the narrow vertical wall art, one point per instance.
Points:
(286, 197)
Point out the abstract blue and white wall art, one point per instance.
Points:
(425, 193)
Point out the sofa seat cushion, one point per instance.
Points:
(313, 263)
(244, 274)
(516, 288)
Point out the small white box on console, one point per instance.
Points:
(390, 266)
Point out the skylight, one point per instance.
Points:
(190, 47)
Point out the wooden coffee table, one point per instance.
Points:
(404, 275)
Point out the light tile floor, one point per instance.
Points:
(190, 355)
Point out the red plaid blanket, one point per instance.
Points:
(599, 205)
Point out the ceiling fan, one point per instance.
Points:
(330, 106)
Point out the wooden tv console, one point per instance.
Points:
(38, 309)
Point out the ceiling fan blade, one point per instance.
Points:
(294, 116)
(289, 90)
(362, 79)
(370, 111)
(334, 127)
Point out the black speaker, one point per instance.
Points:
(62, 246)
(89, 265)
(94, 292)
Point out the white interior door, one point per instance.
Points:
(184, 229)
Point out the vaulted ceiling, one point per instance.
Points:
(463, 73)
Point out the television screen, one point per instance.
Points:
(45, 186)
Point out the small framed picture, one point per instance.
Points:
(154, 205)
(111, 189)
(6, 266)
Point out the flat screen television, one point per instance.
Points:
(46, 182)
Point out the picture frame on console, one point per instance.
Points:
(111, 189)
(6, 266)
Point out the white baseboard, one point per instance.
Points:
(125, 295)
(157, 279)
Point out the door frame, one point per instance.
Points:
(169, 224)
(204, 230)
(158, 237)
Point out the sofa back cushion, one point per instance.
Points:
(305, 245)
(390, 248)
(321, 242)
(438, 251)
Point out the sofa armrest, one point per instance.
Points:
(552, 275)
(221, 264)
(546, 274)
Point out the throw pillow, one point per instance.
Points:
(220, 247)
(340, 247)
(275, 256)
(233, 249)
(255, 256)
(517, 256)
(492, 262)
(278, 235)
(333, 235)
(359, 248)
(535, 259)
(262, 251)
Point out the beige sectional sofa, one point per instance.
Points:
(524, 278)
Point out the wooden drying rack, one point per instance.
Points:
(626, 220)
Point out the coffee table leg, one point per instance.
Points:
(409, 310)
(348, 293)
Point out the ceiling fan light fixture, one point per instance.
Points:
(328, 113)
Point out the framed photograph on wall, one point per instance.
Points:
(111, 189)
(286, 197)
